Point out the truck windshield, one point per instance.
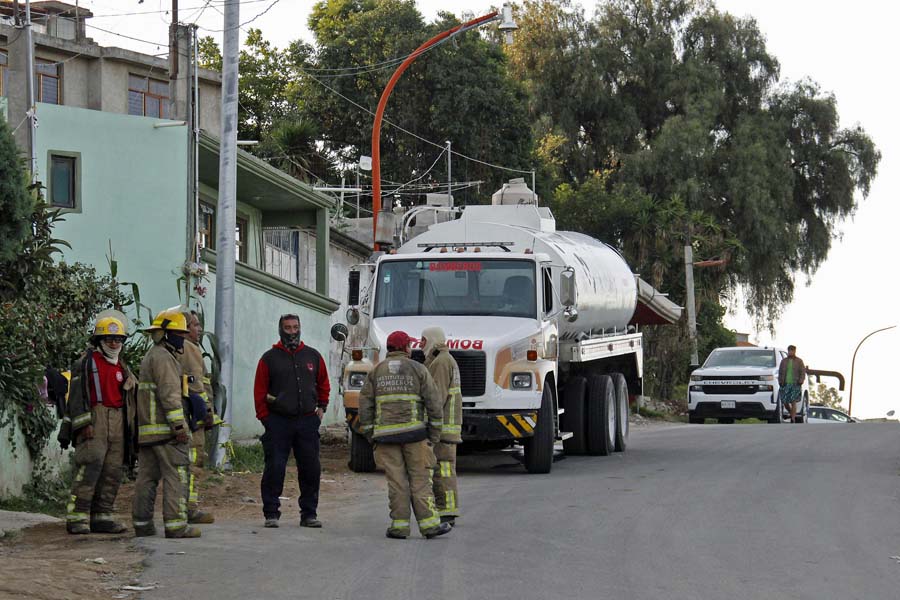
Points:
(490, 287)
(741, 358)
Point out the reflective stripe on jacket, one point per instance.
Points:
(160, 411)
(445, 371)
(399, 403)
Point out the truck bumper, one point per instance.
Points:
(505, 425)
(760, 405)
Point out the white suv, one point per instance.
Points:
(739, 383)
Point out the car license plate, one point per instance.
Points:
(727, 403)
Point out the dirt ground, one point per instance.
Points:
(43, 562)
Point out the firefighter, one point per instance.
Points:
(400, 414)
(194, 368)
(445, 372)
(101, 403)
(163, 433)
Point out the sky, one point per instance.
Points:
(848, 48)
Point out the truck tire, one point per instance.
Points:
(726, 420)
(601, 416)
(362, 457)
(696, 420)
(621, 387)
(804, 409)
(573, 418)
(778, 415)
(539, 447)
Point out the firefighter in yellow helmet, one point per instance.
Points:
(200, 391)
(443, 368)
(163, 433)
(97, 421)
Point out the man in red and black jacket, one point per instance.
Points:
(291, 396)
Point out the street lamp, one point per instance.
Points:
(507, 26)
(853, 364)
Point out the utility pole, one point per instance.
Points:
(689, 293)
(449, 176)
(173, 43)
(29, 93)
(226, 220)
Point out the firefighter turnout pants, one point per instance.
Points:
(167, 462)
(198, 459)
(98, 468)
(408, 469)
(445, 490)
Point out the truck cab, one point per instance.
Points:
(739, 383)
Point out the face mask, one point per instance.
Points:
(109, 353)
(290, 340)
(175, 340)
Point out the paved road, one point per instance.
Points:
(689, 512)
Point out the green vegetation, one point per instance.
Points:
(248, 457)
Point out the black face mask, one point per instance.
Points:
(290, 340)
(175, 340)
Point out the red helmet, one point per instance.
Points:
(398, 340)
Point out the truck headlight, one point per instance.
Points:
(696, 388)
(356, 380)
(765, 388)
(767, 378)
(696, 377)
(521, 381)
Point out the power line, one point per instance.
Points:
(408, 132)
(127, 37)
(241, 26)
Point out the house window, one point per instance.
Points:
(148, 97)
(4, 72)
(63, 181)
(282, 258)
(240, 240)
(208, 232)
(46, 82)
(207, 226)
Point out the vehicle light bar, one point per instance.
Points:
(432, 245)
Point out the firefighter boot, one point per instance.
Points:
(396, 534)
(107, 526)
(441, 529)
(78, 528)
(144, 530)
(199, 517)
(187, 532)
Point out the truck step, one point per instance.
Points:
(565, 435)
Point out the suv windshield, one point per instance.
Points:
(751, 357)
(490, 287)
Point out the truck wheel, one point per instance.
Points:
(362, 458)
(621, 387)
(696, 420)
(601, 416)
(778, 416)
(804, 409)
(726, 420)
(539, 447)
(573, 418)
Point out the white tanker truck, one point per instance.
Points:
(544, 325)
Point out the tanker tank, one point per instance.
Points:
(607, 292)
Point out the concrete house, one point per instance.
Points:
(118, 154)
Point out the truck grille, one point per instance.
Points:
(472, 369)
(730, 389)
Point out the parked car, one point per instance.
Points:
(824, 414)
(740, 383)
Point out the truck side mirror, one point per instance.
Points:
(353, 289)
(339, 332)
(567, 287)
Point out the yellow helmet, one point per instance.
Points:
(110, 326)
(171, 319)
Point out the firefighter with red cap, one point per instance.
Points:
(400, 413)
